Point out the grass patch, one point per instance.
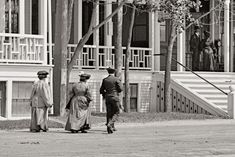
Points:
(152, 117)
(97, 118)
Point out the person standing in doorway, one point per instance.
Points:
(40, 102)
(110, 89)
(195, 48)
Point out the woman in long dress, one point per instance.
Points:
(78, 106)
(40, 102)
(208, 57)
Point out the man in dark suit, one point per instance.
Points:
(110, 89)
(195, 48)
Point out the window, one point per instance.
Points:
(35, 6)
(133, 97)
(12, 16)
(2, 98)
(21, 92)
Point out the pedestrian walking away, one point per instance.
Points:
(78, 106)
(110, 89)
(40, 102)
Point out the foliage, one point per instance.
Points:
(176, 10)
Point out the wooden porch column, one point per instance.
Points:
(151, 37)
(157, 42)
(181, 51)
(77, 21)
(212, 16)
(96, 37)
(226, 35)
(8, 99)
(22, 17)
(2, 16)
(108, 27)
(43, 27)
(50, 32)
(231, 40)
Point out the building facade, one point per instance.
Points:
(27, 31)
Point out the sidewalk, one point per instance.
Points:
(158, 139)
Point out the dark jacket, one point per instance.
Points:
(195, 43)
(111, 86)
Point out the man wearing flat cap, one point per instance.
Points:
(110, 89)
(40, 102)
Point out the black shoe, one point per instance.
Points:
(35, 130)
(109, 130)
(114, 129)
(74, 131)
(83, 131)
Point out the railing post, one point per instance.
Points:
(231, 102)
(226, 35)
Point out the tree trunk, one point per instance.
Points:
(127, 83)
(118, 43)
(70, 15)
(60, 58)
(168, 58)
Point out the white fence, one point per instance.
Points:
(17, 48)
(103, 56)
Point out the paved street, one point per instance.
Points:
(161, 139)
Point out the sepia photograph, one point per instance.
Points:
(117, 78)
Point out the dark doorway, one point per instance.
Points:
(2, 99)
(133, 97)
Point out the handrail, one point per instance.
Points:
(194, 73)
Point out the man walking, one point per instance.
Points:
(110, 89)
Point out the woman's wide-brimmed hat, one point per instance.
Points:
(84, 75)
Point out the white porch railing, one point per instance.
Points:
(140, 58)
(17, 48)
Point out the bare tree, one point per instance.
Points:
(127, 58)
(62, 70)
(118, 41)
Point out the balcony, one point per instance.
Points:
(29, 49)
(100, 57)
(21, 49)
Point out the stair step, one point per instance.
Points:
(212, 90)
(207, 86)
(222, 80)
(214, 81)
(217, 101)
(215, 98)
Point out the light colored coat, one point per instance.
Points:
(41, 95)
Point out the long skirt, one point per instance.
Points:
(78, 120)
(39, 119)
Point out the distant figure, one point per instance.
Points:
(205, 39)
(110, 89)
(218, 45)
(40, 102)
(208, 57)
(195, 48)
(78, 106)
